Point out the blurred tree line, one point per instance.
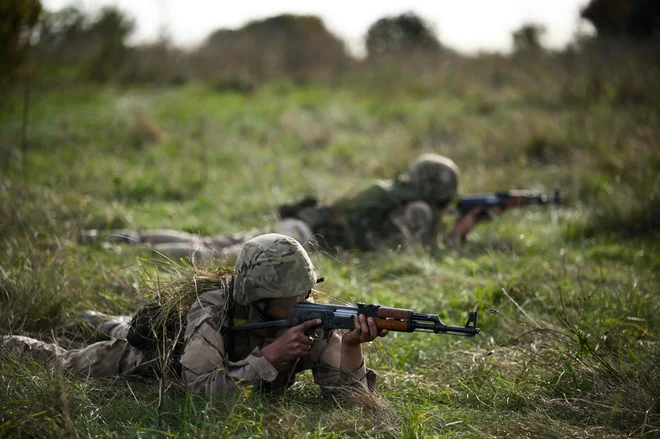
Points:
(17, 19)
(72, 44)
(638, 19)
(99, 42)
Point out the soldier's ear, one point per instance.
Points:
(442, 204)
(261, 305)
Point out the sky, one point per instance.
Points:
(469, 26)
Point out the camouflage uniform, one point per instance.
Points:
(99, 360)
(213, 361)
(406, 209)
(380, 212)
(208, 369)
(176, 244)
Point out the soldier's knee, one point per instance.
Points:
(298, 230)
(105, 359)
(418, 215)
(167, 236)
(120, 236)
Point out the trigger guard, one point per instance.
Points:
(315, 333)
(318, 333)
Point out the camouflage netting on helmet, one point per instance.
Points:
(272, 266)
(162, 321)
(435, 177)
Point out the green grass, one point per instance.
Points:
(567, 295)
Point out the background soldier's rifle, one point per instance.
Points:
(503, 200)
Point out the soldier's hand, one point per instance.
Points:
(467, 222)
(291, 345)
(364, 332)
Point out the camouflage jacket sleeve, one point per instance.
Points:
(205, 370)
(325, 360)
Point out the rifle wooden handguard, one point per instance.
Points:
(392, 325)
(394, 313)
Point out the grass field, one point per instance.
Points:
(568, 295)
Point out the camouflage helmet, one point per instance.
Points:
(271, 266)
(434, 176)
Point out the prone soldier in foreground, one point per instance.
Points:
(248, 327)
(273, 273)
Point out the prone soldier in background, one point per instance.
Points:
(405, 211)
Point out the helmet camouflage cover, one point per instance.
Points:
(435, 177)
(271, 266)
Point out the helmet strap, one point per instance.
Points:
(262, 308)
(442, 204)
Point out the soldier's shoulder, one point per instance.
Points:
(218, 297)
(376, 190)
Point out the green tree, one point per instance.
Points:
(110, 30)
(400, 34)
(62, 28)
(17, 21)
(638, 19)
(529, 38)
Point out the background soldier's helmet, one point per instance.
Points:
(271, 266)
(435, 177)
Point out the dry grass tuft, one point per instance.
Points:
(145, 130)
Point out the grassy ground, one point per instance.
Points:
(567, 295)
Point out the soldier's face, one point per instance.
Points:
(281, 307)
(441, 204)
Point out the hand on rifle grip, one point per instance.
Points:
(291, 345)
(466, 223)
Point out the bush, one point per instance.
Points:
(400, 35)
(285, 46)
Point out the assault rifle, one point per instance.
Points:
(341, 317)
(503, 200)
